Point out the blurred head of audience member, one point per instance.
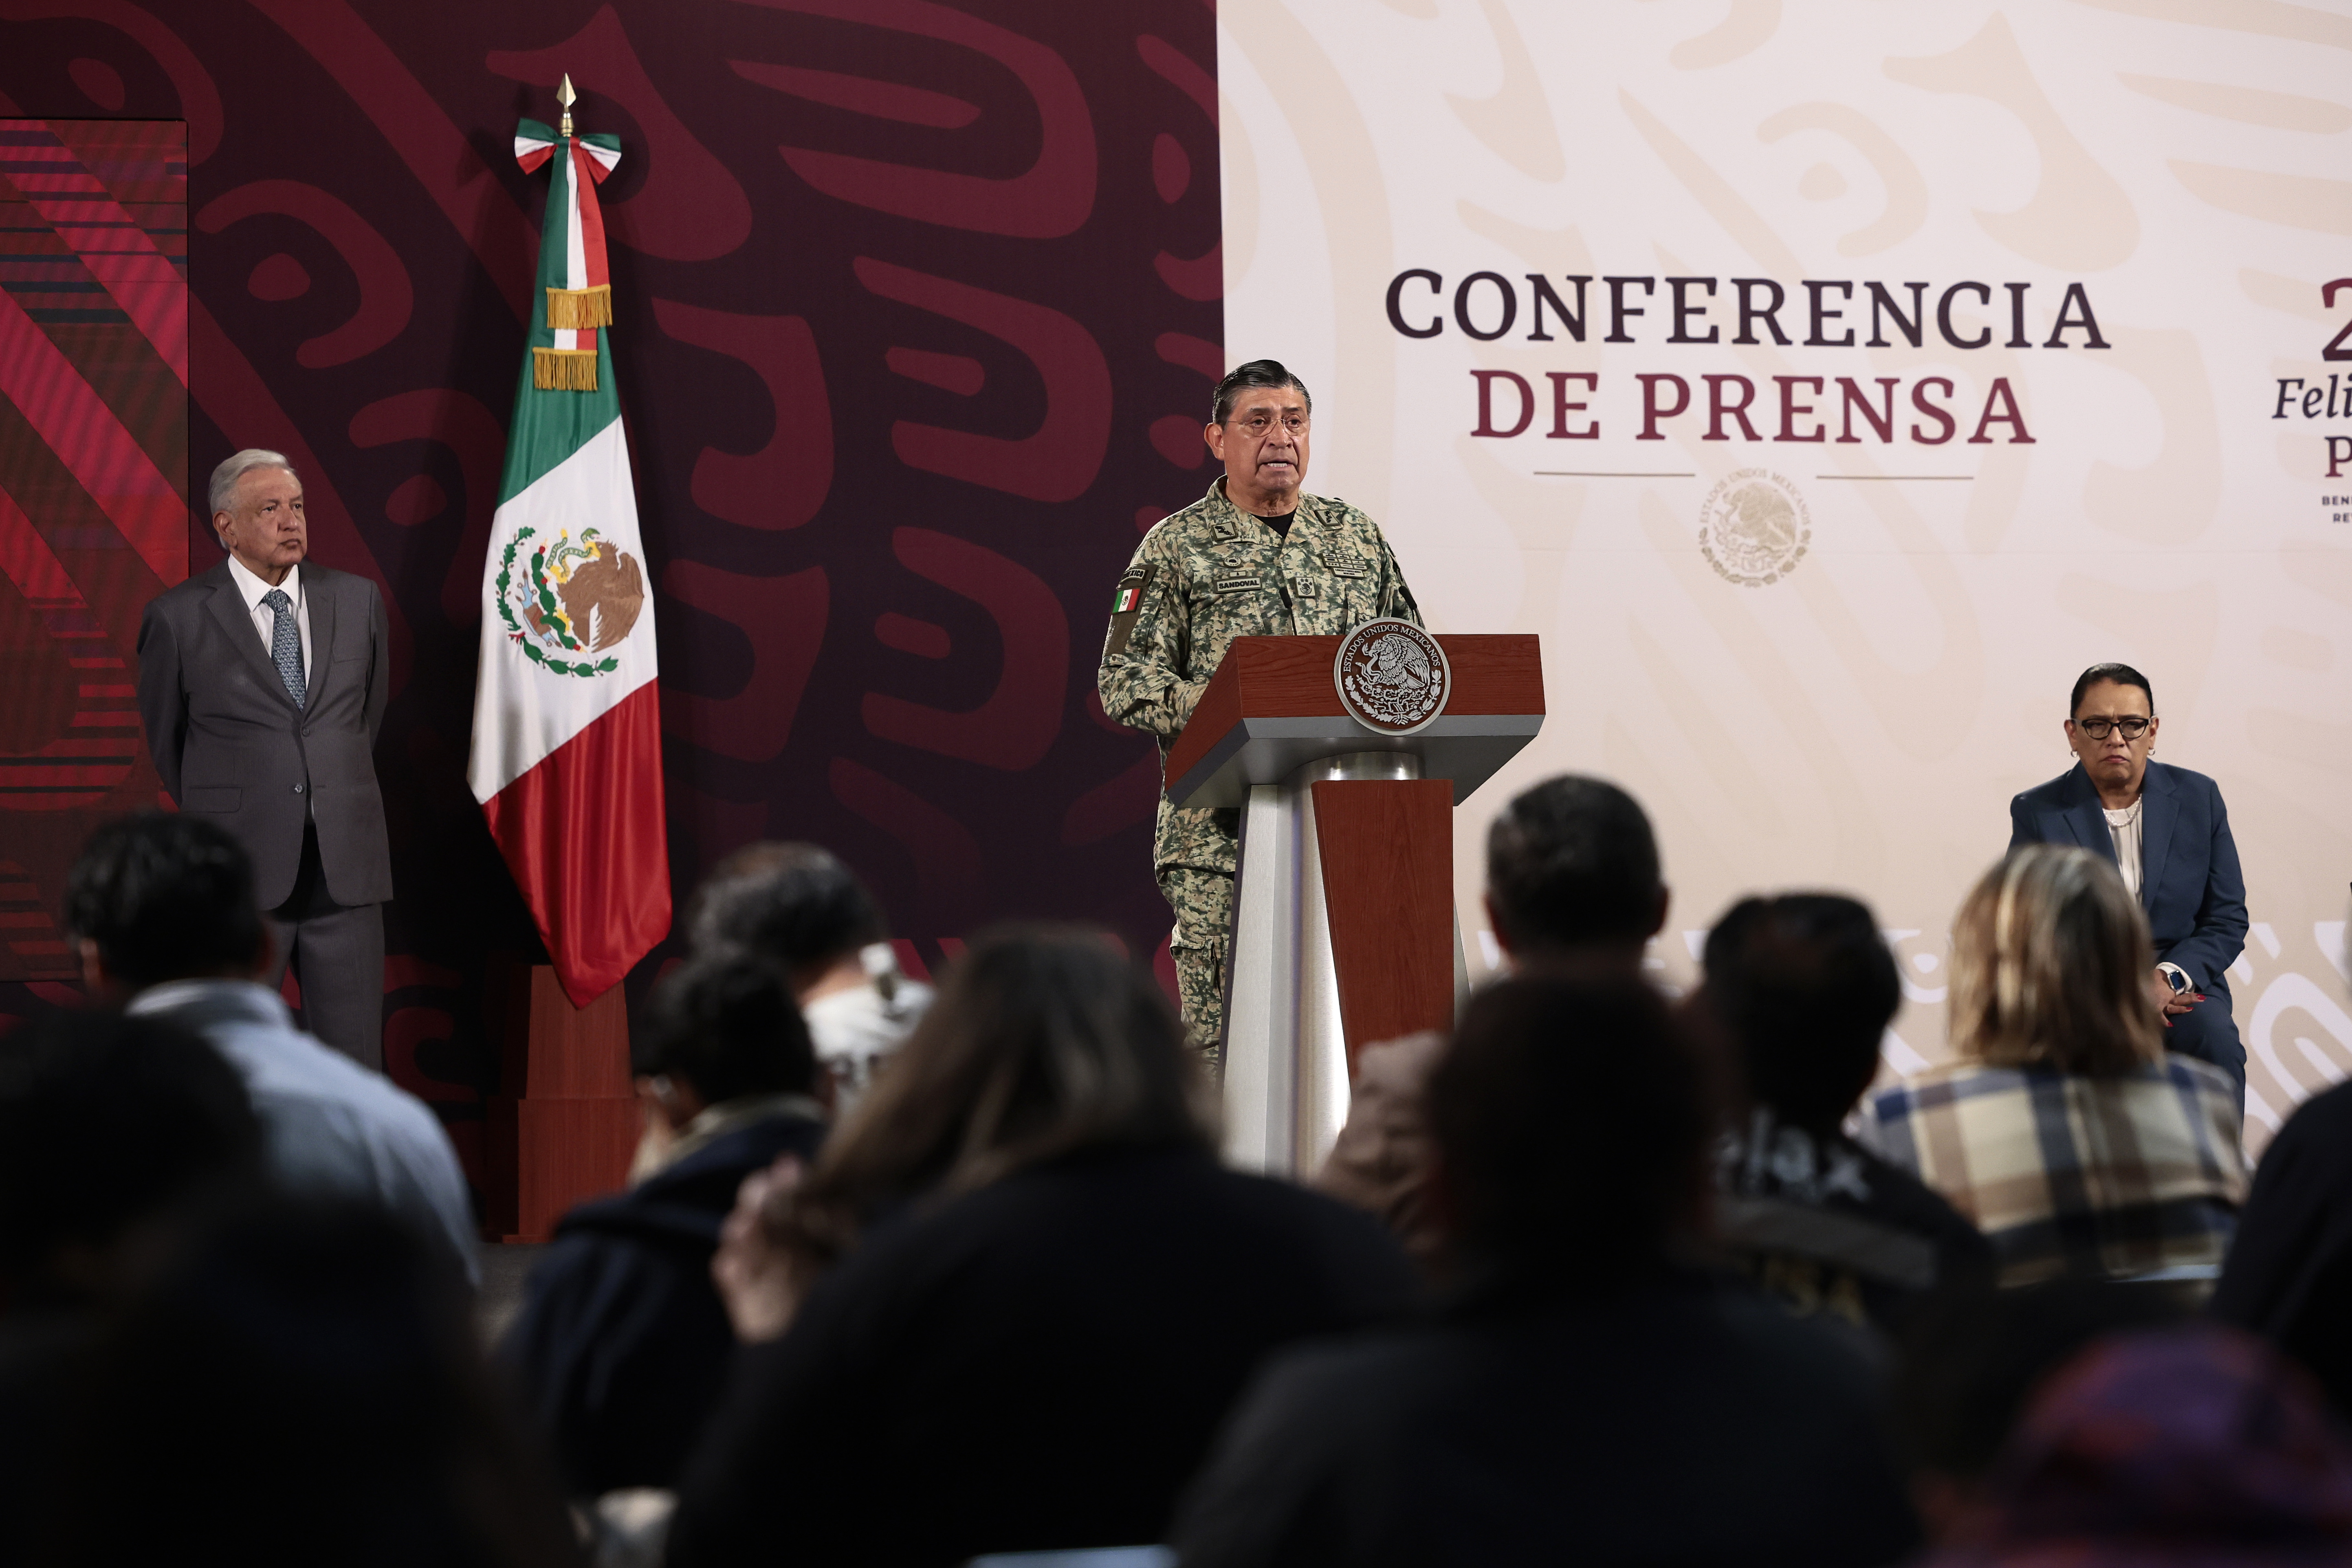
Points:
(111, 1131)
(1572, 881)
(719, 1044)
(622, 1346)
(795, 904)
(798, 907)
(324, 1355)
(2050, 968)
(1571, 1120)
(2062, 1128)
(2288, 1277)
(162, 911)
(1969, 1363)
(1040, 1293)
(162, 896)
(2191, 1444)
(1572, 872)
(1801, 987)
(1585, 1394)
(1042, 1042)
(1804, 986)
(106, 1123)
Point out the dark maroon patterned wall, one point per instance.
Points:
(901, 289)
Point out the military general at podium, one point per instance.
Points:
(1256, 556)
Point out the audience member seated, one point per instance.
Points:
(1043, 1292)
(163, 914)
(1971, 1358)
(1572, 878)
(798, 906)
(106, 1123)
(1803, 988)
(2061, 1128)
(2195, 1446)
(1585, 1397)
(297, 1384)
(2288, 1277)
(622, 1345)
(109, 1126)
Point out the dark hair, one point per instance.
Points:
(1805, 986)
(326, 1348)
(1972, 1360)
(2121, 674)
(1572, 862)
(1571, 1115)
(105, 1120)
(725, 1023)
(165, 897)
(1043, 1040)
(1245, 378)
(792, 904)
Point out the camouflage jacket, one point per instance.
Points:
(1212, 572)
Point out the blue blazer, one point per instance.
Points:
(2190, 884)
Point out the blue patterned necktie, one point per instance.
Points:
(285, 642)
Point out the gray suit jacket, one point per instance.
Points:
(231, 745)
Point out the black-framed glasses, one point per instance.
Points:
(2099, 728)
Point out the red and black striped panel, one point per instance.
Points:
(93, 485)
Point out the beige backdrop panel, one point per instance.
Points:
(1860, 722)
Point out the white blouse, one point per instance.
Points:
(2125, 826)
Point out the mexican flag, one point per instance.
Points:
(567, 727)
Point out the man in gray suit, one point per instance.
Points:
(262, 684)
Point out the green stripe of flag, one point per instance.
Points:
(550, 425)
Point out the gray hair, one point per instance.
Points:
(236, 466)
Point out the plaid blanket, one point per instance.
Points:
(2069, 1175)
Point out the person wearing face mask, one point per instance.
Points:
(2168, 832)
(1256, 556)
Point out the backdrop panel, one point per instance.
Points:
(2049, 382)
(93, 492)
(912, 301)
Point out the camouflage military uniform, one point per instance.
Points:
(1201, 578)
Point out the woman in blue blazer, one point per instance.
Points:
(2168, 834)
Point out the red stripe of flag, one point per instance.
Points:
(582, 833)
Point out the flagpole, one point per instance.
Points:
(565, 97)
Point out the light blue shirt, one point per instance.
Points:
(329, 1125)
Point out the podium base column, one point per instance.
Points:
(566, 1121)
(1285, 1049)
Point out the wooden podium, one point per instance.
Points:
(1344, 932)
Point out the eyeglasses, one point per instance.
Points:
(1259, 423)
(2099, 728)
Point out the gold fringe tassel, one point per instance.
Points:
(577, 308)
(563, 370)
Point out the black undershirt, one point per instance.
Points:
(1281, 525)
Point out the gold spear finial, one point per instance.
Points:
(567, 98)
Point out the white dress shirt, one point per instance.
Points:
(265, 619)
